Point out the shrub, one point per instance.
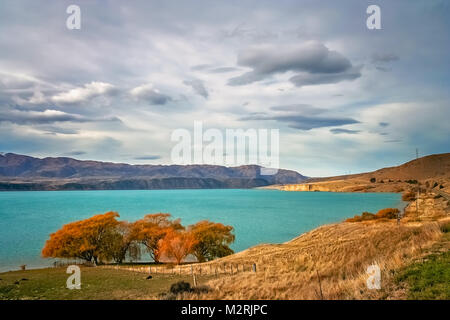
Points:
(373, 180)
(354, 219)
(445, 228)
(367, 216)
(389, 213)
(180, 287)
(409, 196)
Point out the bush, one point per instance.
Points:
(367, 216)
(180, 287)
(373, 180)
(445, 228)
(389, 213)
(409, 196)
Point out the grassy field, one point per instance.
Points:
(429, 278)
(329, 262)
(96, 283)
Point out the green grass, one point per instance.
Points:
(429, 279)
(96, 283)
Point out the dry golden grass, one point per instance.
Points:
(338, 254)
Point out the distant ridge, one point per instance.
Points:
(427, 167)
(432, 171)
(21, 172)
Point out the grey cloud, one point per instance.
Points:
(383, 124)
(212, 69)
(304, 108)
(149, 94)
(75, 153)
(53, 129)
(339, 130)
(308, 123)
(149, 157)
(306, 79)
(383, 69)
(316, 61)
(384, 57)
(46, 117)
(198, 87)
(302, 122)
(201, 67)
(223, 69)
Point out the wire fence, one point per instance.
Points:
(188, 269)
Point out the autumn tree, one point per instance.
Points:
(177, 244)
(85, 239)
(213, 240)
(152, 229)
(120, 241)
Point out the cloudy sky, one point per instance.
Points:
(345, 98)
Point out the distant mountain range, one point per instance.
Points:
(21, 172)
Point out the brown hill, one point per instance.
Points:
(20, 172)
(431, 171)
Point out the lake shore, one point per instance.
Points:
(338, 253)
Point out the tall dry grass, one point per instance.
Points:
(338, 254)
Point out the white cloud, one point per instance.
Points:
(85, 93)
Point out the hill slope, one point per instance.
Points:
(431, 171)
(20, 172)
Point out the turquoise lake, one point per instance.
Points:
(258, 216)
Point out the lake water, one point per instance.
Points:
(258, 216)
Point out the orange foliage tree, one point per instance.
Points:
(177, 244)
(85, 239)
(102, 238)
(119, 241)
(150, 230)
(213, 240)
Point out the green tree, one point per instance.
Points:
(213, 240)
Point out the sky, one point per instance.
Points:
(344, 98)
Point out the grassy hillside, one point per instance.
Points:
(431, 172)
(338, 255)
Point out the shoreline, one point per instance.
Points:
(401, 206)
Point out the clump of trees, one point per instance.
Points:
(388, 213)
(102, 238)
